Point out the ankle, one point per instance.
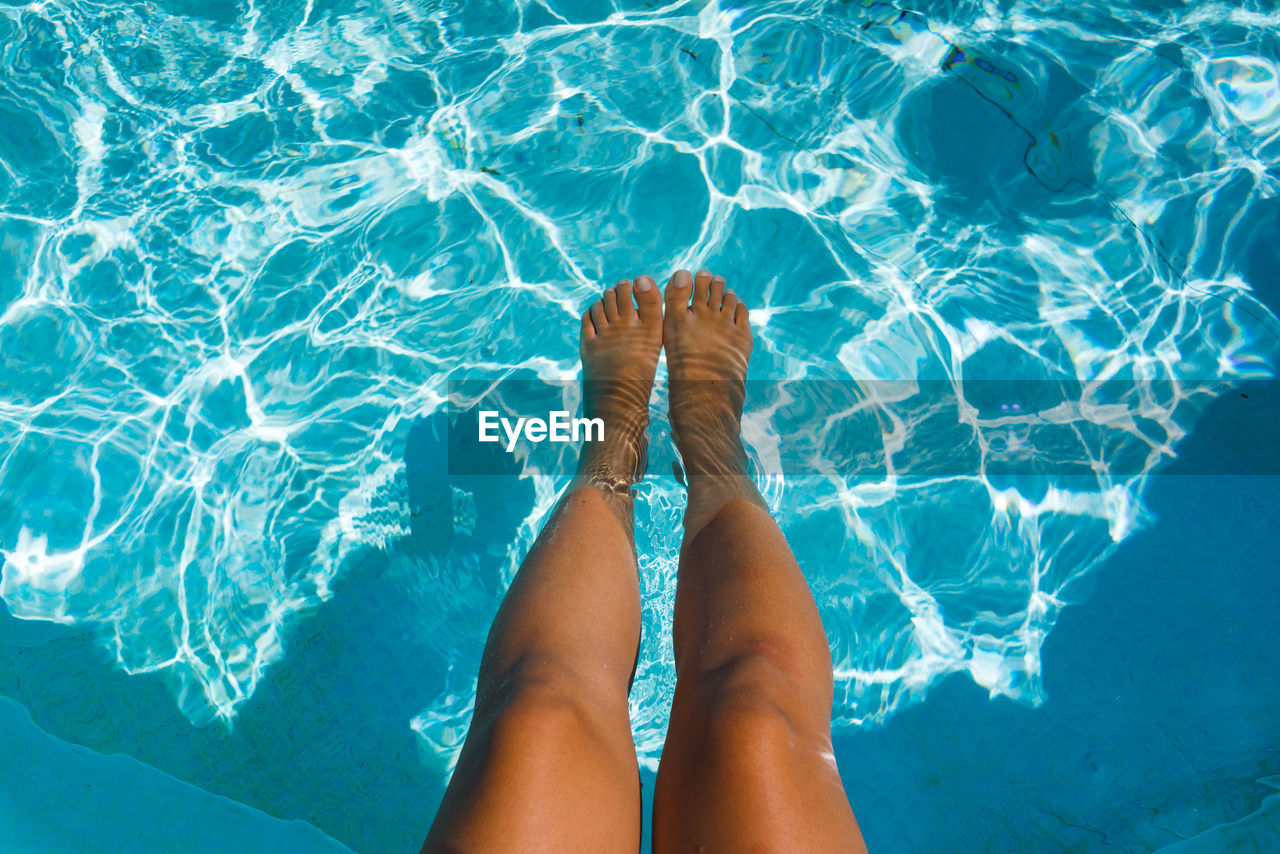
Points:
(709, 494)
(617, 462)
(710, 450)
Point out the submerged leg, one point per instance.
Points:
(748, 763)
(549, 763)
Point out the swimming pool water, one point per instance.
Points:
(244, 245)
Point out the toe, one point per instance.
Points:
(716, 298)
(648, 299)
(588, 326)
(626, 308)
(701, 287)
(597, 316)
(678, 290)
(610, 299)
(729, 304)
(740, 318)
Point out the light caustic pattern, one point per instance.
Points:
(244, 243)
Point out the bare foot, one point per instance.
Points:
(708, 341)
(620, 343)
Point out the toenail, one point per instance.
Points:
(643, 285)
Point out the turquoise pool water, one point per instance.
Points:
(244, 245)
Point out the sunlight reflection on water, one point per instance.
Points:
(243, 251)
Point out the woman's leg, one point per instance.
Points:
(747, 764)
(549, 763)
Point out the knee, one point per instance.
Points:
(541, 702)
(760, 703)
(747, 733)
(544, 680)
(532, 715)
(771, 669)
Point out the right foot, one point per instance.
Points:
(708, 343)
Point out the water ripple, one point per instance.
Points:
(244, 244)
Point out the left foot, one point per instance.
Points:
(620, 343)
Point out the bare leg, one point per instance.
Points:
(549, 763)
(748, 764)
